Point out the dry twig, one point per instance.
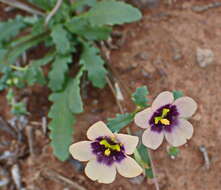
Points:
(203, 8)
(30, 136)
(60, 178)
(23, 7)
(205, 156)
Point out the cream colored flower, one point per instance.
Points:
(107, 153)
(167, 117)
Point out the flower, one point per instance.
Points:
(167, 117)
(107, 153)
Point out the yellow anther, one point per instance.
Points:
(165, 111)
(115, 147)
(157, 119)
(165, 121)
(107, 152)
(109, 146)
(105, 143)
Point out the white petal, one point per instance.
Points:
(162, 99)
(142, 118)
(129, 167)
(130, 142)
(81, 151)
(186, 106)
(180, 133)
(100, 172)
(152, 139)
(98, 129)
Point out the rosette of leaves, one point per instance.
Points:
(69, 36)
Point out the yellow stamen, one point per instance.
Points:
(107, 152)
(165, 121)
(165, 111)
(109, 147)
(157, 119)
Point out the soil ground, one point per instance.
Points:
(160, 52)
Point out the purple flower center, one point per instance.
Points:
(164, 118)
(108, 150)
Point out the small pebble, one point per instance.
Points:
(137, 180)
(143, 56)
(76, 164)
(204, 57)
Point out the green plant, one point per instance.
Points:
(69, 31)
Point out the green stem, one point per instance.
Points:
(18, 68)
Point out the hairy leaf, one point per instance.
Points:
(61, 124)
(65, 104)
(94, 65)
(119, 122)
(81, 27)
(142, 157)
(177, 94)
(111, 12)
(140, 96)
(60, 38)
(11, 28)
(58, 71)
(74, 97)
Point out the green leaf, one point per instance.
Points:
(2, 55)
(142, 157)
(65, 103)
(39, 26)
(173, 151)
(34, 73)
(119, 122)
(19, 46)
(58, 71)
(94, 65)
(74, 97)
(177, 94)
(79, 5)
(43, 61)
(44, 4)
(61, 124)
(81, 27)
(140, 96)
(60, 38)
(11, 28)
(111, 12)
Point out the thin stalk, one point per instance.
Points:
(105, 54)
(18, 68)
(53, 11)
(153, 170)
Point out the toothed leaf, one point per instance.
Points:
(119, 122)
(58, 72)
(111, 12)
(177, 94)
(140, 96)
(94, 65)
(60, 38)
